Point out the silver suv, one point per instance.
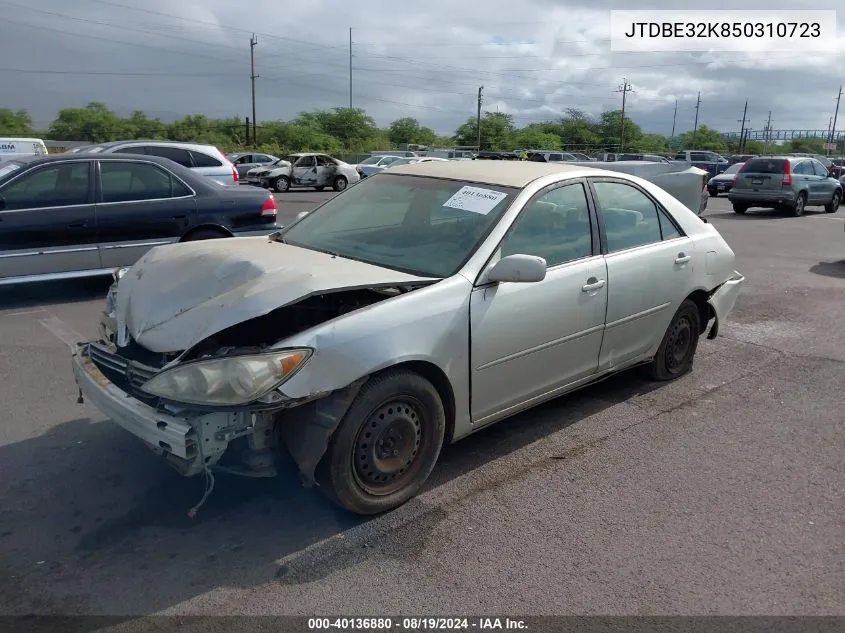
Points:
(204, 159)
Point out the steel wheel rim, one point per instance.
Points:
(282, 184)
(799, 205)
(678, 344)
(340, 183)
(387, 448)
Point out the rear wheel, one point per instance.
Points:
(340, 183)
(386, 445)
(835, 201)
(677, 349)
(713, 193)
(797, 209)
(205, 234)
(740, 207)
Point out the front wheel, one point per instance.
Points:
(835, 201)
(386, 445)
(677, 349)
(340, 183)
(281, 184)
(740, 208)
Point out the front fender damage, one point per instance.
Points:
(306, 430)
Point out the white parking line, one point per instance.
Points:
(23, 312)
(62, 331)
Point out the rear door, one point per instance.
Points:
(826, 185)
(140, 205)
(47, 222)
(805, 179)
(649, 269)
(244, 163)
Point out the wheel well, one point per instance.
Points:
(705, 312)
(210, 228)
(436, 377)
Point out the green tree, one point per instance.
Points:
(15, 123)
(534, 138)
(404, 130)
(704, 138)
(94, 123)
(497, 130)
(353, 127)
(578, 132)
(653, 143)
(610, 130)
(144, 127)
(804, 146)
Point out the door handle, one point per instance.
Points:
(593, 284)
(682, 258)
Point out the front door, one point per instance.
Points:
(305, 171)
(528, 339)
(141, 206)
(643, 243)
(47, 222)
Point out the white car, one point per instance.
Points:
(416, 159)
(404, 314)
(316, 171)
(203, 159)
(374, 164)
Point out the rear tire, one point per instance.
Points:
(835, 201)
(713, 193)
(797, 209)
(676, 353)
(386, 445)
(205, 234)
(740, 207)
(340, 183)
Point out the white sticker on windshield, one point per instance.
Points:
(475, 199)
(7, 169)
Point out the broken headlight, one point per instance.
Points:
(234, 380)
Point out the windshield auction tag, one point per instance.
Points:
(475, 199)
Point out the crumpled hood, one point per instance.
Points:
(177, 295)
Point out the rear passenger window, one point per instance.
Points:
(668, 228)
(176, 154)
(804, 168)
(555, 226)
(129, 182)
(204, 160)
(630, 217)
(555, 157)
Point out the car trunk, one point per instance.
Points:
(763, 174)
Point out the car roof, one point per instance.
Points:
(502, 173)
(183, 172)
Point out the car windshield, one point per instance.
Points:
(424, 226)
(733, 168)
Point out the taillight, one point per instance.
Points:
(270, 208)
(787, 174)
(235, 174)
(741, 169)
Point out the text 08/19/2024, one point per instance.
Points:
(734, 31)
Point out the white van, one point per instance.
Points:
(11, 148)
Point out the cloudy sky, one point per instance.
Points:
(424, 59)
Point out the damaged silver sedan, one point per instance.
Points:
(412, 310)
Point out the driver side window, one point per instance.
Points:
(555, 226)
(305, 161)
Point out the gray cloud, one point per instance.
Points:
(411, 58)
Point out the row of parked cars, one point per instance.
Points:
(788, 183)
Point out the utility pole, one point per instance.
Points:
(674, 118)
(835, 116)
(247, 129)
(742, 129)
(252, 42)
(350, 67)
(695, 127)
(625, 88)
(768, 132)
(478, 117)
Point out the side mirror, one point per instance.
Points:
(518, 269)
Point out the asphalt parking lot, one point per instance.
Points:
(720, 493)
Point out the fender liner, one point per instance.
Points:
(306, 430)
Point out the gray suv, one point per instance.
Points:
(788, 183)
